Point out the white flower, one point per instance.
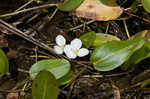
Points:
(60, 41)
(74, 49)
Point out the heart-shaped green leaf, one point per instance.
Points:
(88, 38)
(146, 5)
(104, 38)
(3, 62)
(45, 86)
(58, 67)
(111, 55)
(69, 5)
(65, 79)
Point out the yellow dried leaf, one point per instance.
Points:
(96, 10)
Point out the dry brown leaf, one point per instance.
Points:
(13, 54)
(116, 92)
(94, 9)
(3, 42)
(13, 96)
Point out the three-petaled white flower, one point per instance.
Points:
(71, 50)
(74, 49)
(61, 42)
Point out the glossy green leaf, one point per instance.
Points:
(141, 54)
(88, 38)
(45, 86)
(58, 67)
(3, 62)
(138, 56)
(65, 79)
(146, 5)
(104, 38)
(111, 55)
(69, 5)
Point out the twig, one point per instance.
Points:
(36, 53)
(126, 28)
(25, 36)
(81, 25)
(132, 86)
(93, 76)
(70, 91)
(53, 14)
(29, 9)
(131, 14)
(10, 91)
(25, 5)
(20, 83)
(22, 70)
(33, 17)
(107, 28)
(101, 76)
(74, 78)
(34, 56)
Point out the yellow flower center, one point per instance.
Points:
(76, 51)
(62, 47)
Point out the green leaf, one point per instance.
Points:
(134, 7)
(102, 38)
(109, 2)
(69, 5)
(141, 54)
(143, 34)
(3, 62)
(145, 83)
(65, 79)
(58, 67)
(44, 86)
(111, 55)
(138, 56)
(146, 5)
(88, 38)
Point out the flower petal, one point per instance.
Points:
(67, 48)
(71, 55)
(69, 52)
(58, 50)
(76, 44)
(83, 52)
(60, 40)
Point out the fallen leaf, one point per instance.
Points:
(13, 96)
(116, 92)
(13, 54)
(3, 42)
(98, 10)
